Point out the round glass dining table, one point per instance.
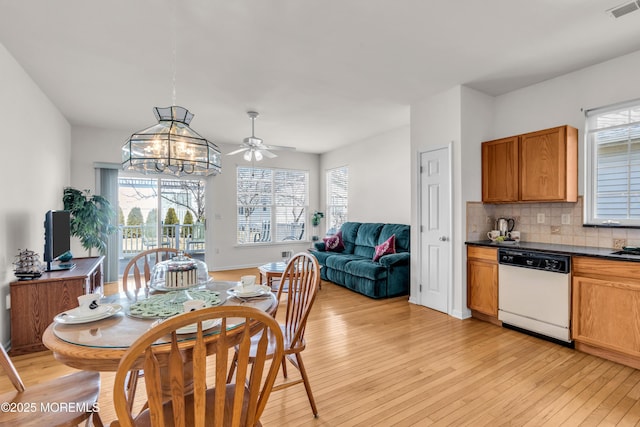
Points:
(99, 345)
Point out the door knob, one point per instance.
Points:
(443, 238)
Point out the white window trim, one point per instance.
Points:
(590, 177)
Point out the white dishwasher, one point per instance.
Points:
(534, 293)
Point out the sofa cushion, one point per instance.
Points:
(385, 248)
(338, 261)
(349, 233)
(322, 256)
(367, 269)
(334, 243)
(402, 233)
(367, 239)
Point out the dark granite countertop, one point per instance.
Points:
(560, 249)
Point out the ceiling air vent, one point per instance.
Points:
(624, 9)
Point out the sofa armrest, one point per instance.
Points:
(319, 246)
(401, 258)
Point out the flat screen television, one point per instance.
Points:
(57, 238)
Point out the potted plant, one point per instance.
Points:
(91, 218)
(315, 222)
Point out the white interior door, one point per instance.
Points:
(435, 229)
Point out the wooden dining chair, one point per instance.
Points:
(180, 363)
(40, 404)
(137, 273)
(302, 274)
(136, 276)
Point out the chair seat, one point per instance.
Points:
(80, 389)
(144, 419)
(289, 348)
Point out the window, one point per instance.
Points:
(337, 190)
(612, 188)
(272, 205)
(163, 212)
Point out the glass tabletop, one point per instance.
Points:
(121, 330)
(273, 267)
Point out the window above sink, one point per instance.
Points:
(612, 174)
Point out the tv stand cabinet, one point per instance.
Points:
(34, 303)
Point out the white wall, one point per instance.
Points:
(472, 117)
(461, 117)
(477, 125)
(436, 123)
(35, 169)
(561, 100)
(92, 145)
(379, 177)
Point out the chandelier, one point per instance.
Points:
(171, 147)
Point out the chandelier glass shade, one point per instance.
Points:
(171, 147)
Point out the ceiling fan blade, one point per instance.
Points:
(237, 151)
(277, 147)
(268, 154)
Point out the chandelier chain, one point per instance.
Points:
(174, 49)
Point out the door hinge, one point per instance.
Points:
(421, 169)
(420, 287)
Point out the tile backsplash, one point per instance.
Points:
(547, 223)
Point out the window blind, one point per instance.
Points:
(272, 204)
(337, 198)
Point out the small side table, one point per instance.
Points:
(270, 271)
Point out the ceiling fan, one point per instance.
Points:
(253, 147)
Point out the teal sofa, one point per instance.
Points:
(354, 267)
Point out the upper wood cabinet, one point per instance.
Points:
(539, 166)
(500, 170)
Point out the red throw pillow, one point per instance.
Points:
(334, 243)
(386, 247)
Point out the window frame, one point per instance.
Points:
(273, 207)
(591, 165)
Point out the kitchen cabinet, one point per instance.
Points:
(482, 282)
(606, 309)
(34, 303)
(500, 170)
(539, 166)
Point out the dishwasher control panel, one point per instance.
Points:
(537, 260)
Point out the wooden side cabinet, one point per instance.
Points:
(34, 303)
(539, 166)
(606, 309)
(482, 281)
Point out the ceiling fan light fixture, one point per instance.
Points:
(253, 147)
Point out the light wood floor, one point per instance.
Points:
(391, 363)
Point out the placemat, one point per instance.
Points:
(160, 305)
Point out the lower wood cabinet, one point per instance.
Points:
(482, 281)
(606, 309)
(34, 303)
